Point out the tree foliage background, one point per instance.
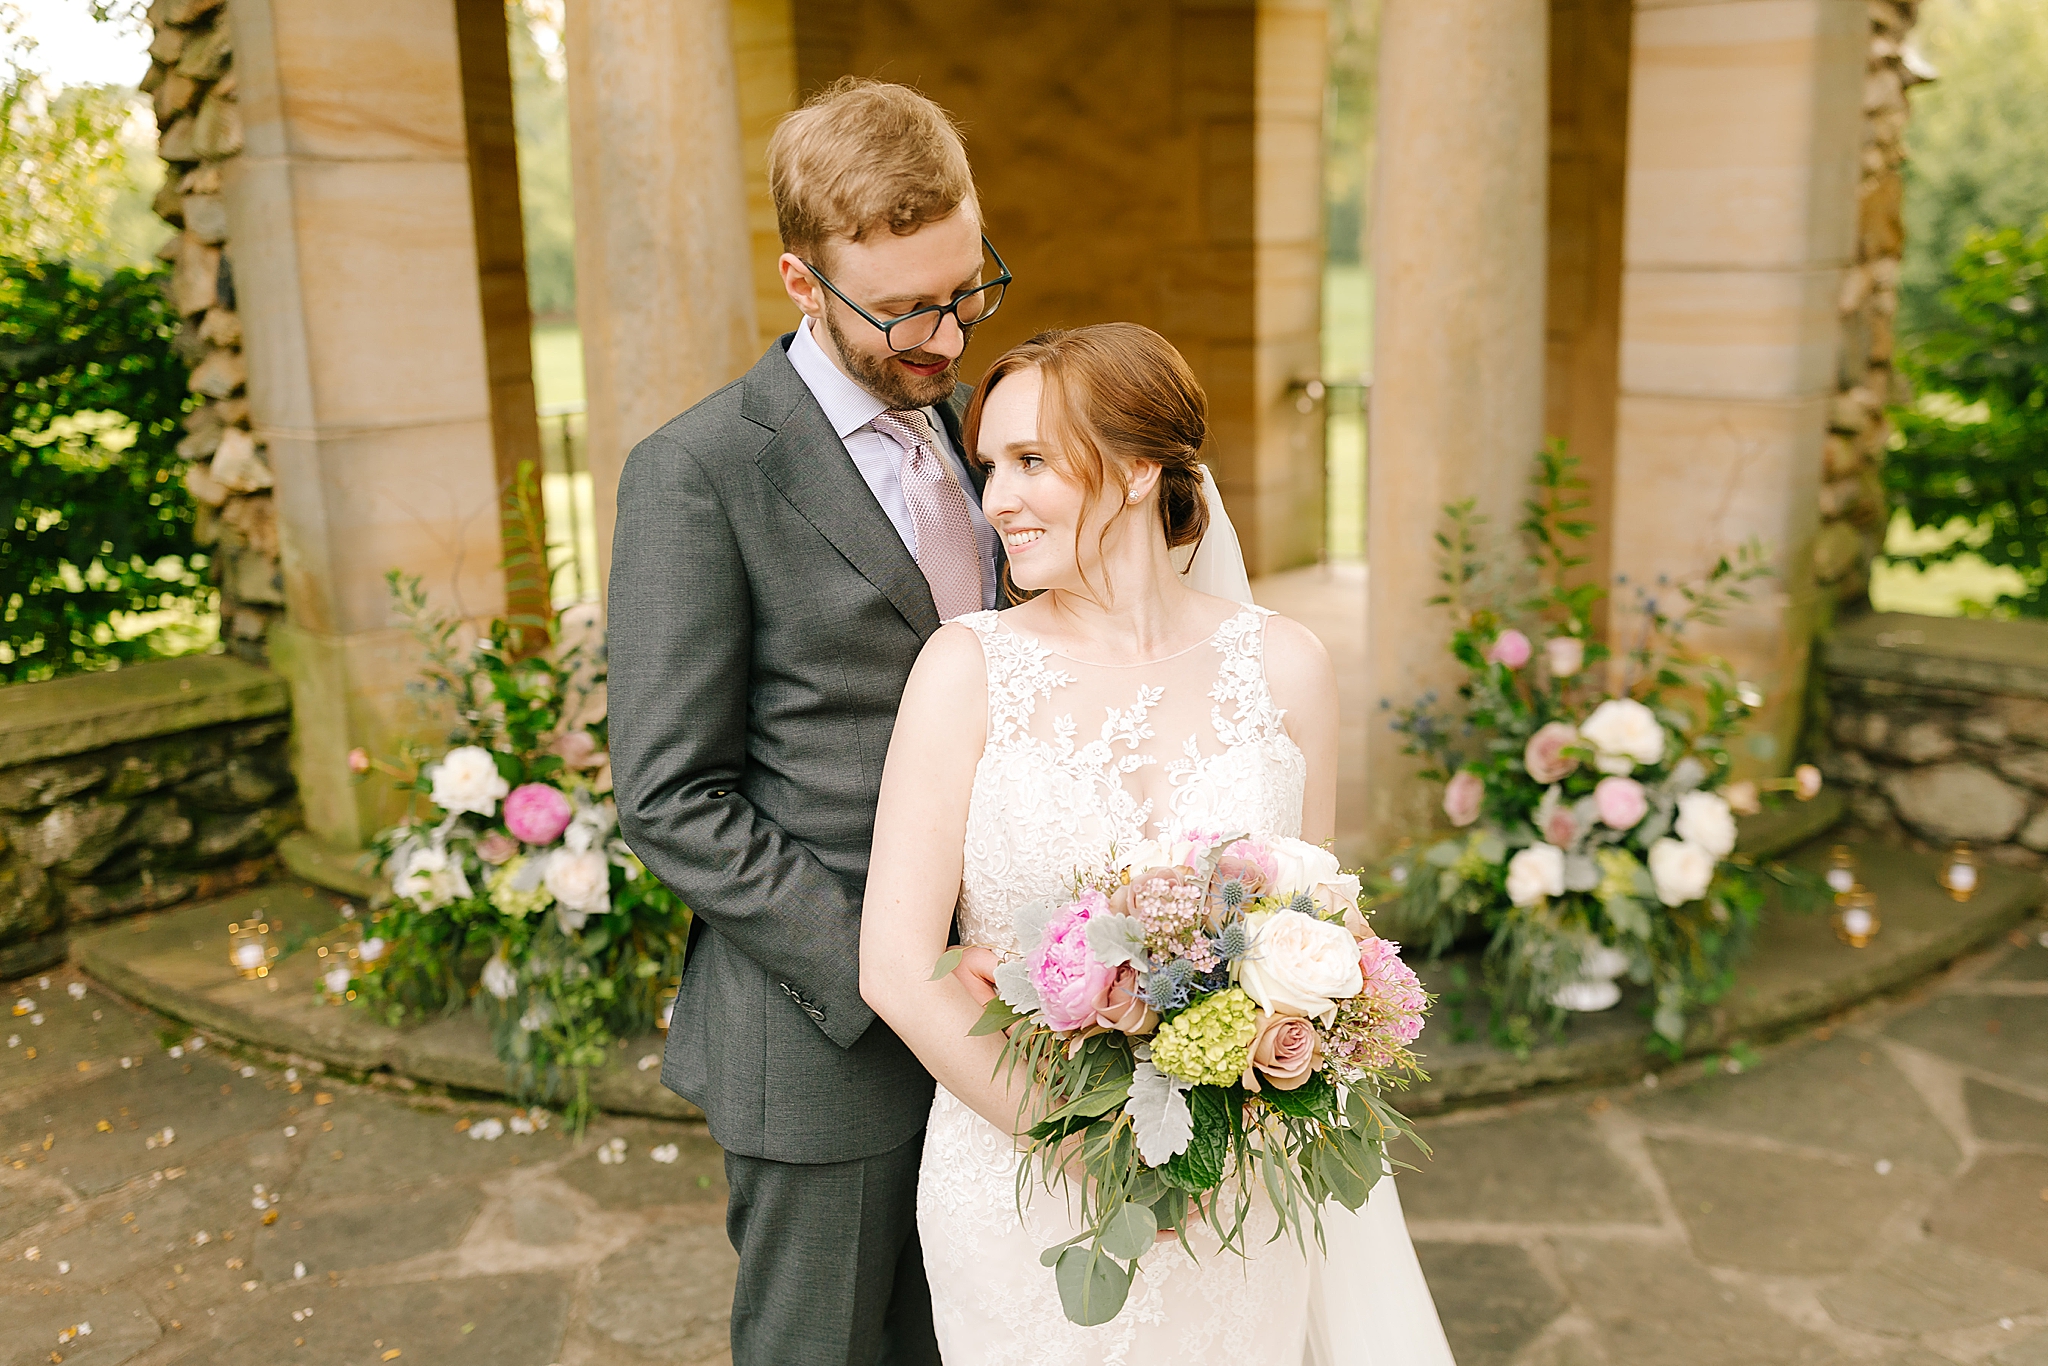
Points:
(97, 561)
(1969, 466)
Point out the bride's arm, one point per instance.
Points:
(1304, 683)
(914, 874)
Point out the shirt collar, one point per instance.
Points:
(848, 407)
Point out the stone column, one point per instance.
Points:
(1745, 126)
(369, 391)
(664, 293)
(1458, 329)
(764, 58)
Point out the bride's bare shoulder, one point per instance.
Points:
(1297, 665)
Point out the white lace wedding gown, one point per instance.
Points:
(1193, 740)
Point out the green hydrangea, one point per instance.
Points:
(1207, 1043)
(511, 901)
(1620, 874)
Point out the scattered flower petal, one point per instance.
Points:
(666, 1153)
(76, 991)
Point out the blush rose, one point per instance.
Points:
(1544, 756)
(1464, 794)
(1284, 1051)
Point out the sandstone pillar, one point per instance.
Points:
(1150, 161)
(1745, 128)
(664, 296)
(1458, 329)
(357, 274)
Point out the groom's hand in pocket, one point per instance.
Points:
(977, 972)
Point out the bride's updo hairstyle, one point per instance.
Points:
(1115, 393)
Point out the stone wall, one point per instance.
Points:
(1852, 503)
(1937, 728)
(132, 790)
(192, 81)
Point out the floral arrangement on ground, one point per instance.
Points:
(509, 885)
(1598, 823)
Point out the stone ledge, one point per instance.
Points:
(176, 964)
(1796, 972)
(1965, 653)
(91, 711)
(311, 859)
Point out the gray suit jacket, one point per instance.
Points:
(763, 619)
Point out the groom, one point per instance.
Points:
(783, 550)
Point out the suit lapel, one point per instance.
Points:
(809, 466)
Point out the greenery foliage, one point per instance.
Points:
(541, 110)
(479, 912)
(1973, 451)
(100, 524)
(1977, 141)
(77, 166)
(1521, 630)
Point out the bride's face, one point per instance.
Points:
(1052, 528)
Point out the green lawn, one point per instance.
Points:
(557, 364)
(1943, 590)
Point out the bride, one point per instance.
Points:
(1115, 703)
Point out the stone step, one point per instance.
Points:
(1796, 971)
(176, 963)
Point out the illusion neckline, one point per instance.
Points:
(1038, 643)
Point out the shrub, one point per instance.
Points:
(1974, 447)
(100, 523)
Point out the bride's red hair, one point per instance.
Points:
(1115, 394)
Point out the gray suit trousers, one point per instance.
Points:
(831, 1272)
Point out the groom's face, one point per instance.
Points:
(889, 276)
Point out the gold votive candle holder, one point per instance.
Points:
(1959, 872)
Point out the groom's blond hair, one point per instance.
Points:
(861, 156)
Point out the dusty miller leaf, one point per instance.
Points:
(1160, 1119)
(1114, 940)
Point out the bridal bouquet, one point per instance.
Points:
(1595, 809)
(509, 884)
(1202, 1019)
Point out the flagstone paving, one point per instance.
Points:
(1871, 1191)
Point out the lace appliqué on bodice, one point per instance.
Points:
(1194, 740)
(1045, 802)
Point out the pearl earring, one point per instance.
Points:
(1134, 498)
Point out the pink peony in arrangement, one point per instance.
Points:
(537, 813)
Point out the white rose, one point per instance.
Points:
(467, 779)
(1567, 655)
(1339, 894)
(431, 878)
(1680, 870)
(1300, 866)
(1299, 965)
(499, 979)
(1625, 733)
(1704, 819)
(581, 880)
(1534, 873)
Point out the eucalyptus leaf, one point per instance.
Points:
(1093, 1285)
(996, 1016)
(948, 961)
(1629, 915)
(1130, 1231)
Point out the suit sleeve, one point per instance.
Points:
(680, 645)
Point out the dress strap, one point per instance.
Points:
(1244, 712)
(1017, 677)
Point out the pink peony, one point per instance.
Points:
(1622, 802)
(1463, 796)
(1544, 756)
(537, 813)
(1072, 986)
(1250, 863)
(1392, 987)
(1511, 648)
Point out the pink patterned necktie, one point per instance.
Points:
(946, 549)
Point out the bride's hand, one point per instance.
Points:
(977, 972)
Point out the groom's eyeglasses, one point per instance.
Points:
(920, 325)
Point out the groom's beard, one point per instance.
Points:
(891, 383)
